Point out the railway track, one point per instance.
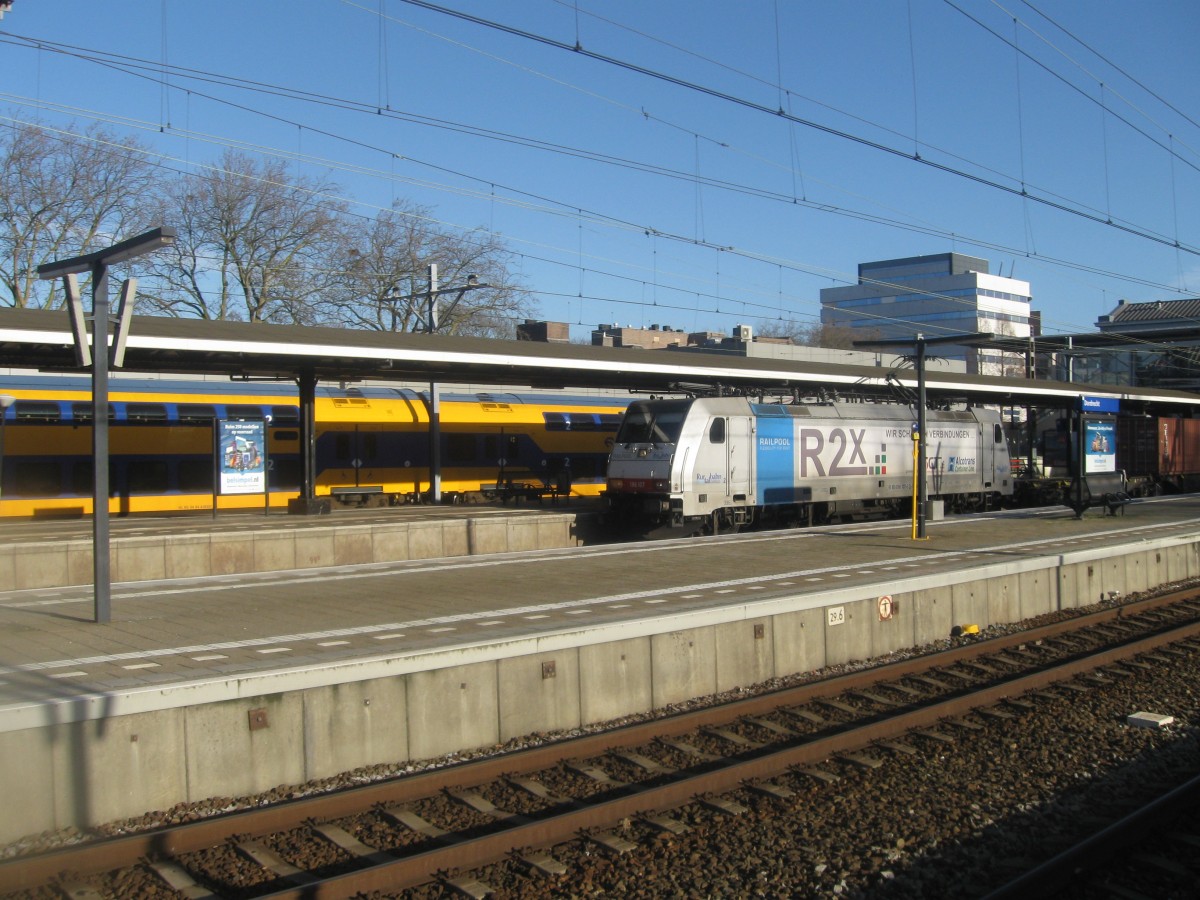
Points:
(1130, 856)
(616, 787)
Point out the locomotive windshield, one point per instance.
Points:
(653, 422)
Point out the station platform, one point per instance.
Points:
(229, 684)
(57, 552)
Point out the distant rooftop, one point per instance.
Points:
(1166, 312)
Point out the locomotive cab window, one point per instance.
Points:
(998, 435)
(658, 423)
(716, 431)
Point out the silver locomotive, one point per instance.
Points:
(716, 464)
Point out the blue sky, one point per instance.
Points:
(650, 179)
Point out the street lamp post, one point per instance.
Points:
(98, 263)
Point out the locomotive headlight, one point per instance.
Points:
(662, 485)
(643, 453)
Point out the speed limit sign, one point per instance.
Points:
(885, 607)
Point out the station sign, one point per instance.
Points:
(1099, 404)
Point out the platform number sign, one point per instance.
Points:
(836, 615)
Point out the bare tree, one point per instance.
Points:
(64, 194)
(384, 270)
(252, 245)
(817, 334)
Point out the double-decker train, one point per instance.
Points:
(717, 464)
(372, 441)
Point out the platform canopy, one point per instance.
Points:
(42, 339)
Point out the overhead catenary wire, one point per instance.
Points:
(751, 255)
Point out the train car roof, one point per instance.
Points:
(42, 339)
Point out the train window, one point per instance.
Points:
(583, 467)
(998, 436)
(34, 479)
(610, 421)
(282, 414)
(582, 422)
(196, 475)
(82, 477)
(555, 421)
(82, 412)
(460, 448)
(26, 410)
(370, 445)
(146, 412)
(284, 474)
(147, 476)
(196, 412)
(716, 431)
(285, 435)
(491, 446)
(341, 446)
(243, 411)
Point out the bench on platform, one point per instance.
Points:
(1106, 490)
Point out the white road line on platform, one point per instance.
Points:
(143, 666)
(274, 650)
(332, 643)
(209, 657)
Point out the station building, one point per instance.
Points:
(936, 295)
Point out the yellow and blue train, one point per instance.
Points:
(162, 456)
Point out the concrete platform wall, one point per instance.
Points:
(117, 757)
(271, 548)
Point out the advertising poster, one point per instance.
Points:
(1099, 447)
(241, 448)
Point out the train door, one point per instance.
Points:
(356, 453)
(738, 458)
(987, 455)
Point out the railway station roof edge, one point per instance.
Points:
(42, 339)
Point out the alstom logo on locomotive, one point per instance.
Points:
(960, 464)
